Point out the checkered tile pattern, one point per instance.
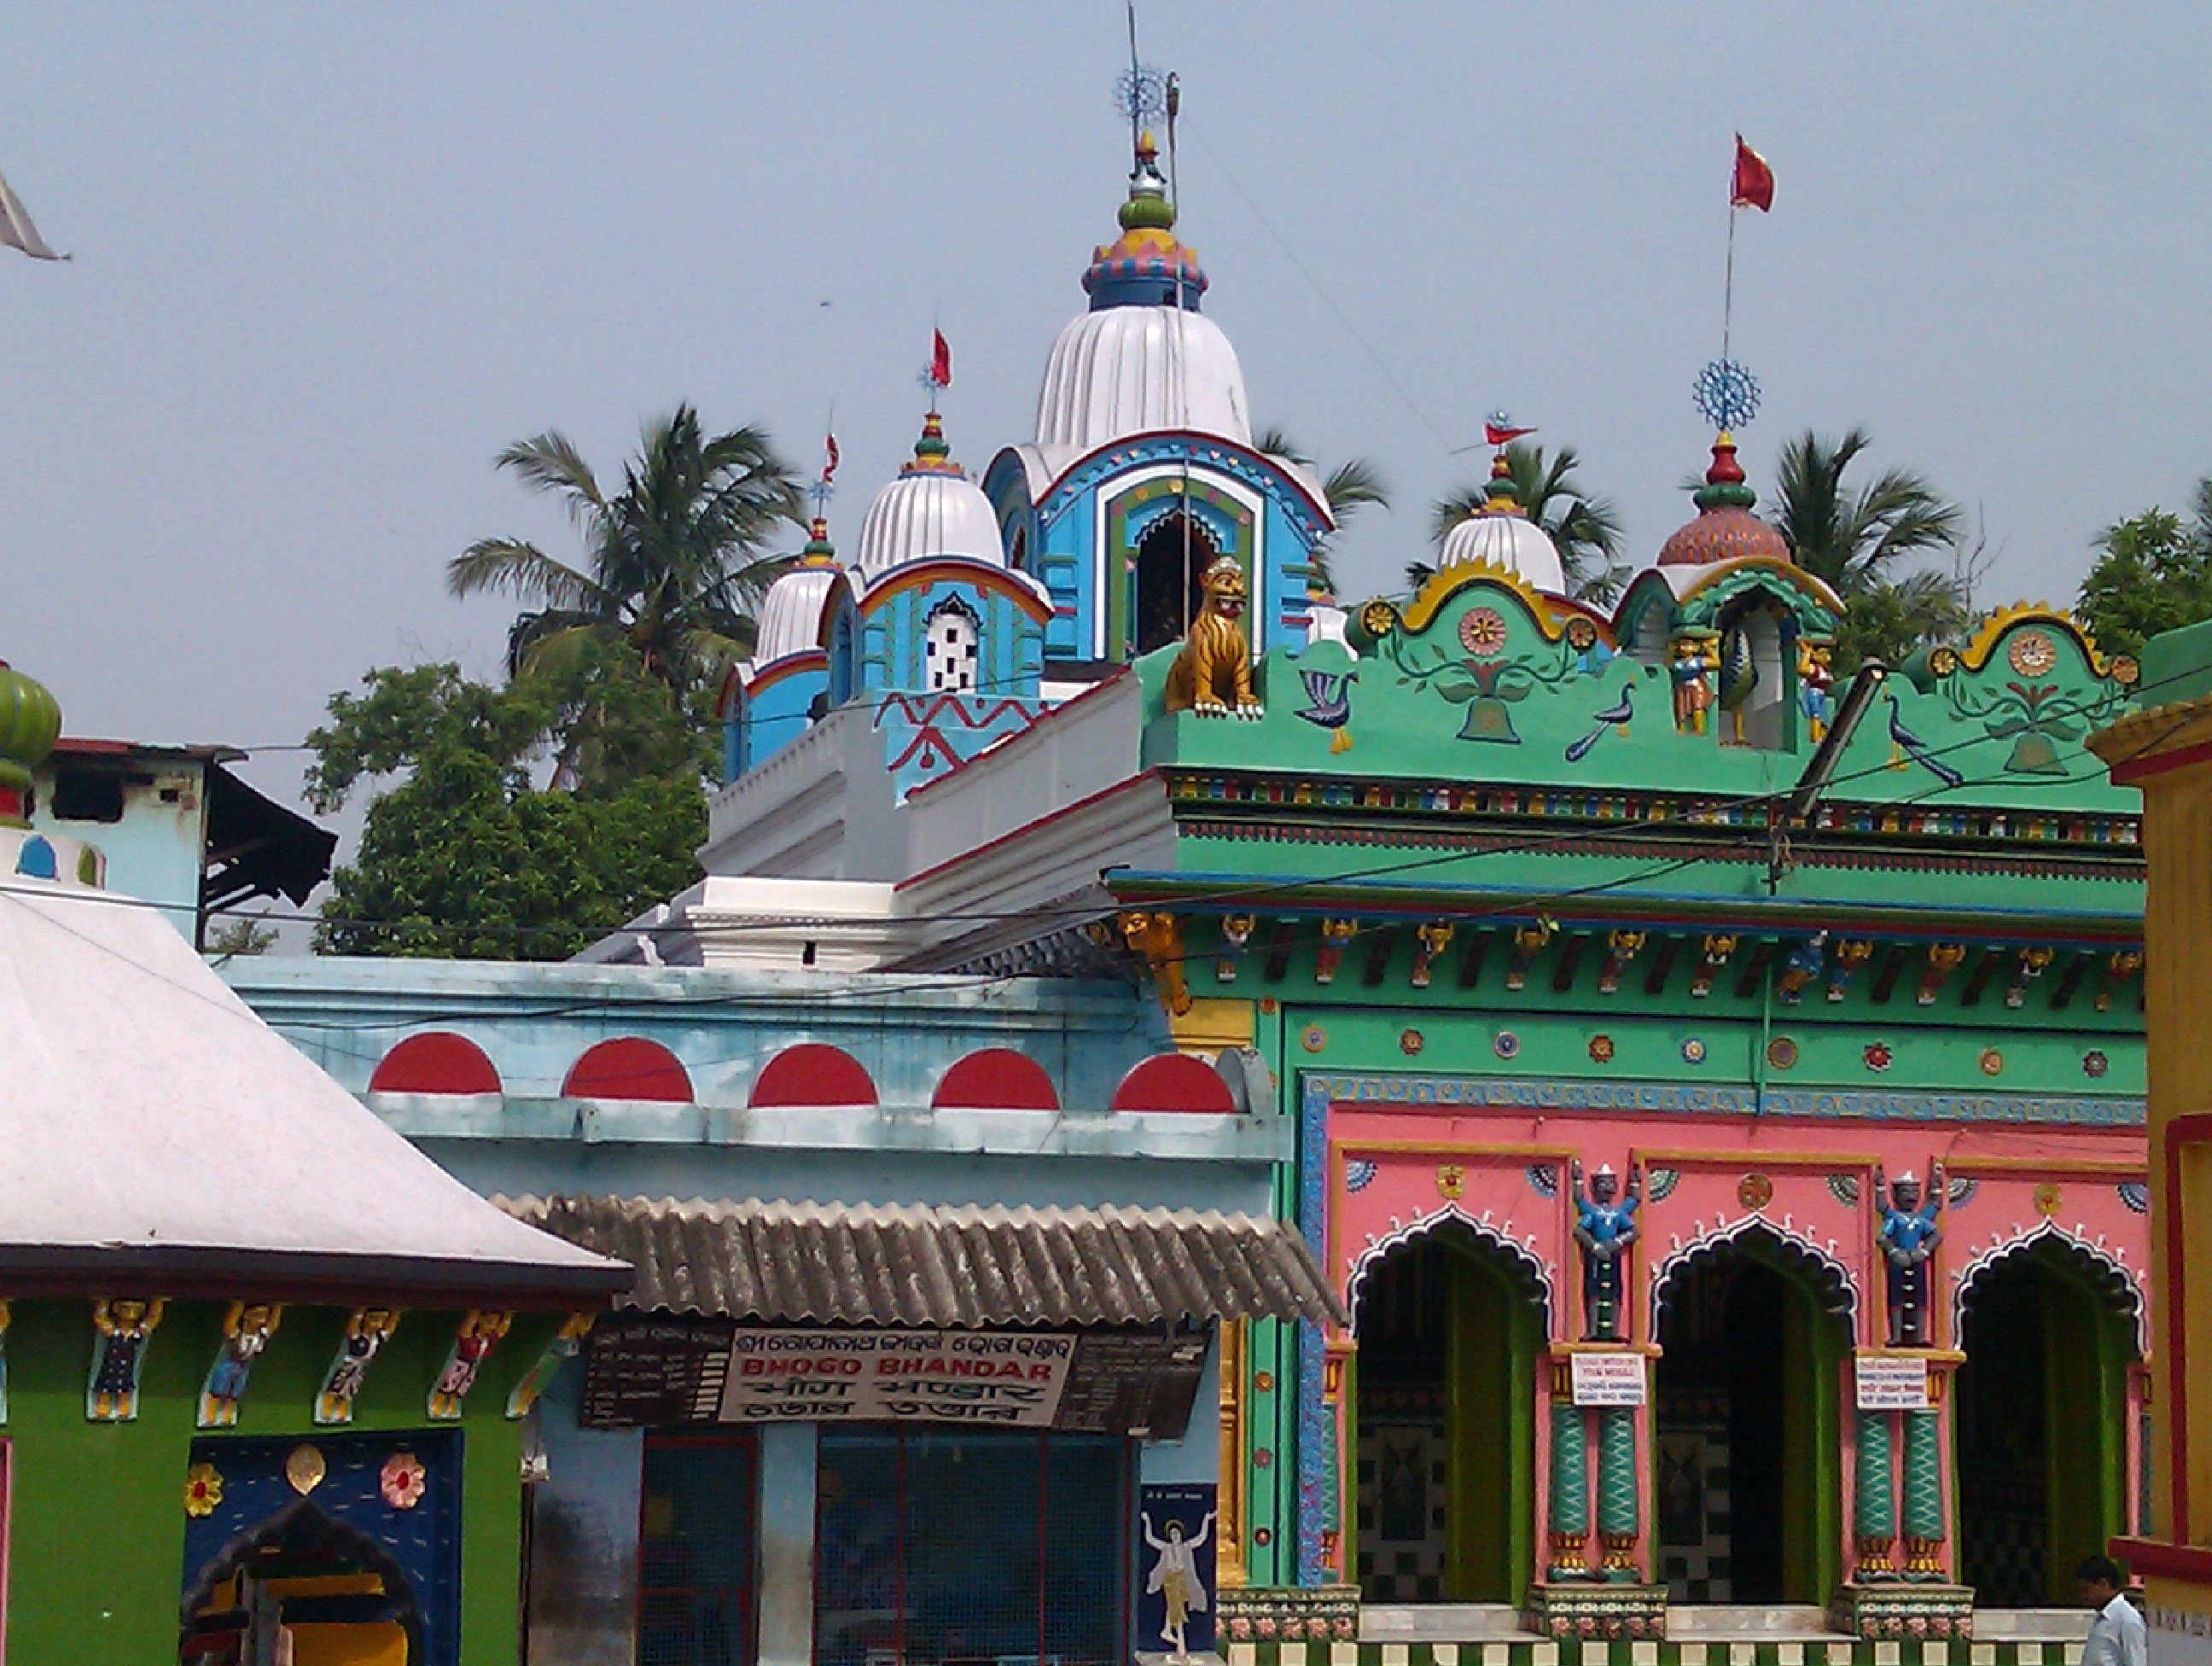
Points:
(1409, 1459)
(1695, 1541)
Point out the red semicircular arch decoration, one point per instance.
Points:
(435, 1061)
(1177, 1082)
(996, 1079)
(628, 1068)
(813, 1073)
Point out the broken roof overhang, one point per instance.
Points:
(258, 847)
(956, 1267)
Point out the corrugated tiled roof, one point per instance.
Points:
(963, 1268)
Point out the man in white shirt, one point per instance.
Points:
(2116, 1635)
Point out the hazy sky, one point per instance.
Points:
(329, 258)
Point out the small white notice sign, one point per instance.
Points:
(1608, 1379)
(1887, 1383)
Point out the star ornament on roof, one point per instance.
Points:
(1726, 394)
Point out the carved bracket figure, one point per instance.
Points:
(1850, 954)
(568, 1343)
(1815, 682)
(1690, 671)
(246, 1329)
(1158, 938)
(368, 1329)
(472, 1343)
(1236, 932)
(1800, 966)
(1604, 1229)
(1719, 945)
(2029, 965)
(1213, 675)
(1621, 948)
(1943, 959)
(2118, 969)
(1429, 941)
(1909, 1236)
(1335, 934)
(1527, 943)
(122, 1329)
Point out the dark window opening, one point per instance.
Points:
(87, 795)
(1172, 564)
(695, 1550)
(971, 1549)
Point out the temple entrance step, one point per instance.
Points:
(1442, 1622)
(1744, 1622)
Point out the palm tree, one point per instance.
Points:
(672, 563)
(1585, 530)
(1350, 487)
(1853, 541)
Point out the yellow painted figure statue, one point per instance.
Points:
(1174, 1577)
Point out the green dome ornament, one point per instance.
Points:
(30, 723)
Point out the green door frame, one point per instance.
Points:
(1489, 1429)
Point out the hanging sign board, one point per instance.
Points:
(896, 1377)
(1607, 1379)
(1888, 1383)
(643, 1372)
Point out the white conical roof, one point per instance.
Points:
(156, 1133)
(1126, 370)
(932, 508)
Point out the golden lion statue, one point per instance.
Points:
(1213, 675)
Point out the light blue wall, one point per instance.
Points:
(153, 852)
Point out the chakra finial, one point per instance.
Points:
(1726, 394)
(1140, 94)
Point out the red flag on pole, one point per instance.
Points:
(829, 467)
(940, 359)
(1754, 185)
(1500, 434)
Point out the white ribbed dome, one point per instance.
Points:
(1511, 541)
(791, 614)
(1128, 370)
(921, 515)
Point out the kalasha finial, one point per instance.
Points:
(819, 551)
(30, 723)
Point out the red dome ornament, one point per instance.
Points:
(1725, 529)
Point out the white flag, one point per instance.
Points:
(16, 231)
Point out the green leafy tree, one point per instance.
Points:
(462, 856)
(1855, 539)
(1351, 486)
(1889, 621)
(672, 563)
(2153, 572)
(1584, 528)
(237, 934)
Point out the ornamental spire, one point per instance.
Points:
(30, 723)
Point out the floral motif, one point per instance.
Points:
(2094, 1063)
(1659, 1183)
(1755, 1191)
(1268, 1004)
(1543, 1179)
(1482, 632)
(2124, 669)
(1451, 1180)
(2048, 1198)
(403, 1480)
(1313, 1038)
(1410, 1042)
(304, 1468)
(1992, 1062)
(1600, 1049)
(2136, 1195)
(1782, 1052)
(2031, 653)
(1693, 1051)
(1878, 1055)
(203, 1490)
(1844, 1189)
(1358, 1173)
(1505, 1044)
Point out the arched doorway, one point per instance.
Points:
(2049, 1332)
(1747, 1482)
(338, 1592)
(1171, 562)
(1449, 1326)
